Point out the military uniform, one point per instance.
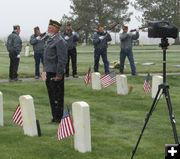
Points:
(14, 47)
(100, 40)
(55, 59)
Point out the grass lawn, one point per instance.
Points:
(116, 122)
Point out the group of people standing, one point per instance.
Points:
(55, 49)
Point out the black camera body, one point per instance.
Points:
(162, 29)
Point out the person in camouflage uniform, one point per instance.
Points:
(14, 47)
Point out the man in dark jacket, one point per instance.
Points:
(71, 38)
(38, 47)
(55, 59)
(14, 47)
(100, 41)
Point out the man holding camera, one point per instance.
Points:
(126, 49)
(38, 47)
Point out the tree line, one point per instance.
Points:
(85, 15)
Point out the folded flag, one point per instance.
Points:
(147, 84)
(17, 117)
(66, 127)
(108, 79)
(87, 77)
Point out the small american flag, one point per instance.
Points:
(43, 76)
(66, 127)
(108, 79)
(17, 117)
(87, 77)
(147, 84)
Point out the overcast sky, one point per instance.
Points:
(30, 13)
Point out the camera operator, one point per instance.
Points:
(126, 49)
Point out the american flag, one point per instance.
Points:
(17, 117)
(43, 76)
(108, 79)
(87, 77)
(147, 84)
(66, 127)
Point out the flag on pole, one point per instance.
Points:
(87, 77)
(17, 117)
(147, 84)
(108, 79)
(66, 127)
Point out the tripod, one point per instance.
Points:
(165, 90)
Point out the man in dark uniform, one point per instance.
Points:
(71, 37)
(38, 47)
(55, 59)
(100, 41)
(14, 47)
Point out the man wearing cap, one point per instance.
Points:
(100, 41)
(72, 38)
(126, 49)
(55, 59)
(14, 47)
(38, 47)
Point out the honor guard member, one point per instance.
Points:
(100, 41)
(126, 49)
(14, 47)
(38, 47)
(72, 38)
(55, 59)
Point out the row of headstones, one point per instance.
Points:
(81, 120)
(122, 84)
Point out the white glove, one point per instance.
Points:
(101, 37)
(18, 56)
(38, 37)
(137, 30)
(66, 37)
(108, 31)
(73, 33)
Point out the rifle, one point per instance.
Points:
(133, 30)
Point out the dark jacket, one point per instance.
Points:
(73, 39)
(101, 44)
(55, 55)
(126, 40)
(14, 43)
(38, 45)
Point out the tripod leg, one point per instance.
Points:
(171, 114)
(146, 121)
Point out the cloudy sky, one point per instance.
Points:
(30, 13)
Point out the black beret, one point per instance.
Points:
(54, 23)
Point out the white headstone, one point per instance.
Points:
(81, 120)
(1, 109)
(122, 86)
(156, 81)
(28, 115)
(27, 51)
(96, 83)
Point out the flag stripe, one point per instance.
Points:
(17, 117)
(108, 79)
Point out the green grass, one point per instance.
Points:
(116, 122)
(85, 59)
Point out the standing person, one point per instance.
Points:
(126, 49)
(72, 38)
(14, 47)
(100, 41)
(55, 59)
(38, 47)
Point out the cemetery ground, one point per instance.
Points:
(116, 120)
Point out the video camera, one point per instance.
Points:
(162, 29)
